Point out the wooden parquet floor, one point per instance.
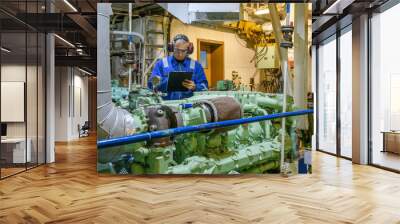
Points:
(70, 191)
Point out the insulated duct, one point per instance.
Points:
(114, 121)
(204, 13)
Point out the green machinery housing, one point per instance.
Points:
(249, 148)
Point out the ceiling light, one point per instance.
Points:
(331, 8)
(337, 7)
(5, 50)
(262, 11)
(86, 72)
(70, 5)
(65, 41)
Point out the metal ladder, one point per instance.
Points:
(152, 50)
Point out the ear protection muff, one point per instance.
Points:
(171, 45)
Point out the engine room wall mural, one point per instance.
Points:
(146, 126)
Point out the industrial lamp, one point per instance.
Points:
(5, 50)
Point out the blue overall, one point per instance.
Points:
(169, 64)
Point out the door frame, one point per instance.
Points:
(208, 41)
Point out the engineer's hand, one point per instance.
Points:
(189, 84)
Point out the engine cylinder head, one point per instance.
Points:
(222, 109)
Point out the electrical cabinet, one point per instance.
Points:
(267, 57)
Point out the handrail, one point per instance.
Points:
(195, 128)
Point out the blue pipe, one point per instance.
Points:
(186, 105)
(195, 128)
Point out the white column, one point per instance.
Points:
(360, 90)
(63, 104)
(50, 101)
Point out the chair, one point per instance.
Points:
(84, 130)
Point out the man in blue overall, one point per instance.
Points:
(179, 61)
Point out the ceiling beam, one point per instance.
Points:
(89, 30)
(81, 61)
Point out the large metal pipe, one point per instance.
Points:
(283, 53)
(112, 121)
(127, 33)
(195, 128)
(300, 43)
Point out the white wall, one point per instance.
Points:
(33, 127)
(12, 73)
(79, 117)
(69, 85)
(61, 103)
(237, 57)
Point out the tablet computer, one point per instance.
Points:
(175, 80)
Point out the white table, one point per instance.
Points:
(18, 145)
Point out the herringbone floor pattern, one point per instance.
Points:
(70, 191)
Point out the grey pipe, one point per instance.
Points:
(127, 33)
(114, 121)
